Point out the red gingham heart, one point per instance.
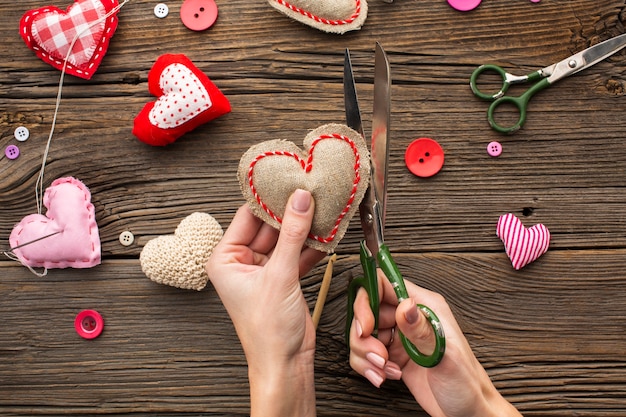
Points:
(50, 32)
(523, 245)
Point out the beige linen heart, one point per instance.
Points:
(333, 16)
(335, 168)
(178, 260)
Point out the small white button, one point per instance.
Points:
(126, 238)
(21, 133)
(161, 10)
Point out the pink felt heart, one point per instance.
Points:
(67, 236)
(334, 167)
(334, 16)
(50, 32)
(186, 99)
(523, 245)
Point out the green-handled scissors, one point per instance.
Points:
(374, 251)
(544, 77)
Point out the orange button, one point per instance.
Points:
(424, 157)
(198, 14)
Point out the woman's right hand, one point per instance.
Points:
(457, 387)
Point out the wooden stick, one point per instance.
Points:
(321, 296)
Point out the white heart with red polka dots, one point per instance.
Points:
(184, 97)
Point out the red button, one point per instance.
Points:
(424, 157)
(89, 324)
(198, 14)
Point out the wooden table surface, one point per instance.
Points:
(551, 336)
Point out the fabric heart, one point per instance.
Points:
(523, 245)
(333, 16)
(67, 236)
(186, 99)
(335, 169)
(178, 260)
(49, 32)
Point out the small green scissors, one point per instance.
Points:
(372, 210)
(544, 77)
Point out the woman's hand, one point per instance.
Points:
(457, 387)
(256, 272)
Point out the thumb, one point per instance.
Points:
(294, 230)
(415, 326)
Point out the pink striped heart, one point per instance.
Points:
(523, 245)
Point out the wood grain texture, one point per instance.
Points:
(551, 336)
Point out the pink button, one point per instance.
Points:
(494, 149)
(464, 5)
(12, 152)
(424, 157)
(198, 14)
(89, 324)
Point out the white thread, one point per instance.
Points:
(39, 183)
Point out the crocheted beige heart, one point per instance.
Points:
(178, 260)
(333, 16)
(335, 168)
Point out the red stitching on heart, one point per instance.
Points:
(310, 15)
(307, 166)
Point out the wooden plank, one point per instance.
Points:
(545, 336)
(551, 335)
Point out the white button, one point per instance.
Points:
(21, 133)
(126, 238)
(161, 10)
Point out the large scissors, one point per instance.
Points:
(373, 250)
(544, 77)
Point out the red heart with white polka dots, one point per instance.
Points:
(523, 245)
(186, 99)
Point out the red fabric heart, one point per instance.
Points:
(186, 99)
(523, 245)
(49, 32)
(67, 236)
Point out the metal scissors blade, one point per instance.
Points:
(351, 101)
(380, 128)
(371, 209)
(584, 59)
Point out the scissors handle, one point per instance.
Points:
(520, 102)
(507, 80)
(498, 98)
(389, 267)
(370, 283)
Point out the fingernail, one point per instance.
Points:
(376, 360)
(359, 329)
(412, 315)
(393, 371)
(301, 200)
(373, 377)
